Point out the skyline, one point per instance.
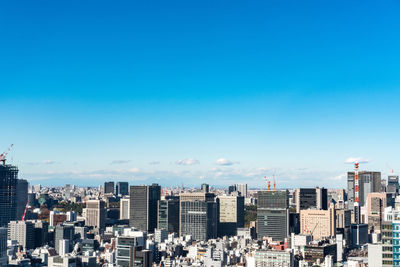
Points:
(199, 92)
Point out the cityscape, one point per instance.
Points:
(204, 133)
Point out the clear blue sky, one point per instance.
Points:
(161, 90)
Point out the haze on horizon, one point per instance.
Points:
(199, 91)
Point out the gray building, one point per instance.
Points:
(122, 188)
(205, 188)
(273, 214)
(272, 258)
(168, 214)
(22, 197)
(8, 191)
(368, 182)
(23, 232)
(63, 232)
(130, 253)
(311, 198)
(393, 184)
(109, 188)
(242, 188)
(3, 246)
(198, 215)
(143, 206)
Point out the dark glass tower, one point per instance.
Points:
(168, 214)
(109, 188)
(8, 191)
(122, 188)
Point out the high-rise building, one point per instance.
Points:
(109, 188)
(311, 198)
(124, 209)
(22, 197)
(8, 192)
(95, 214)
(198, 215)
(65, 232)
(242, 188)
(231, 214)
(131, 252)
(318, 223)
(143, 206)
(168, 214)
(3, 246)
(376, 204)
(343, 223)
(122, 188)
(393, 184)
(231, 189)
(273, 214)
(369, 182)
(41, 233)
(205, 188)
(23, 232)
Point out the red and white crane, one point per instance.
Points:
(3, 156)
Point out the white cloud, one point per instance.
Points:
(190, 161)
(224, 162)
(339, 177)
(356, 159)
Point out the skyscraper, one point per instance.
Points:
(22, 197)
(168, 214)
(23, 232)
(311, 198)
(124, 209)
(231, 215)
(368, 182)
(63, 232)
(143, 206)
(376, 203)
(393, 184)
(122, 188)
(205, 188)
(3, 246)
(273, 214)
(318, 223)
(242, 188)
(95, 213)
(109, 188)
(8, 190)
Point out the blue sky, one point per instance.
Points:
(199, 91)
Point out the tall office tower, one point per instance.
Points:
(95, 213)
(168, 214)
(273, 214)
(109, 188)
(63, 247)
(131, 252)
(311, 198)
(67, 191)
(8, 192)
(205, 188)
(22, 197)
(23, 232)
(122, 188)
(198, 215)
(41, 233)
(63, 232)
(143, 206)
(231, 189)
(32, 202)
(376, 204)
(231, 215)
(242, 188)
(369, 182)
(3, 246)
(124, 209)
(393, 184)
(318, 223)
(343, 223)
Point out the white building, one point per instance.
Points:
(375, 255)
(124, 209)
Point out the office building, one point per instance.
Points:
(109, 188)
(160, 235)
(343, 223)
(168, 214)
(274, 258)
(369, 182)
(231, 215)
(393, 184)
(122, 189)
(320, 224)
(359, 234)
(130, 252)
(63, 232)
(8, 192)
(23, 232)
(205, 188)
(315, 253)
(41, 232)
(63, 247)
(311, 198)
(95, 213)
(3, 246)
(22, 197)
(242, 188)
(231, 189)
(376, 204)
(124, 209)
(375, 255)
(198, 215)
(143, 206)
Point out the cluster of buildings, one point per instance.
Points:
(147, 225)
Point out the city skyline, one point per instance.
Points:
(181, 92)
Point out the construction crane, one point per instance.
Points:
(268, 182)
(26, 208)
(3, 156)
(274, 183)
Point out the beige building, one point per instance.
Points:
(95, 213)
(318, 223)
(376, 204)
